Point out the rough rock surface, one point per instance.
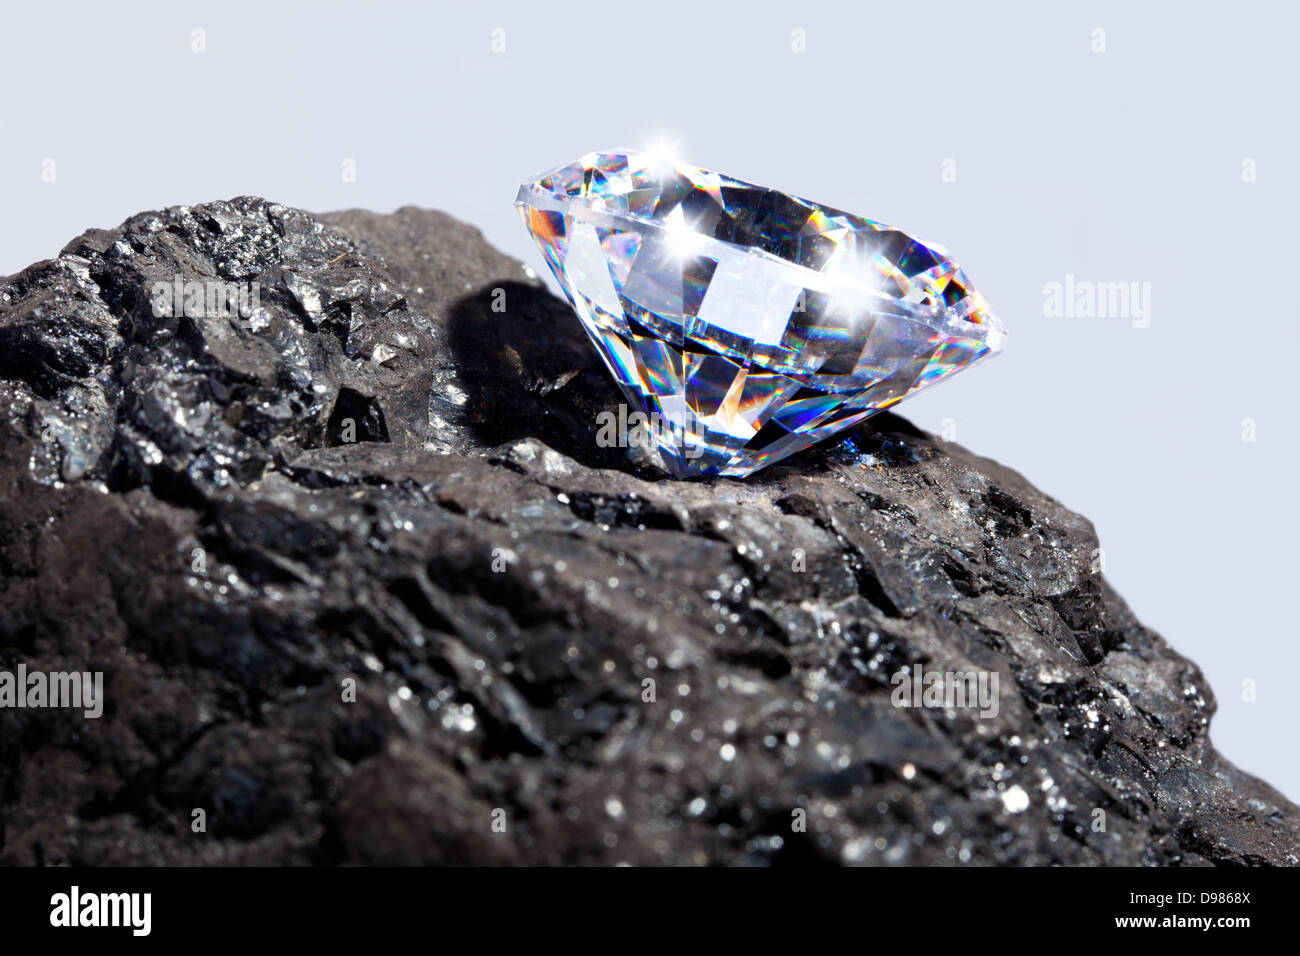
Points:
(179, 509)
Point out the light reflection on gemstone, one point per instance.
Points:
(750, 322)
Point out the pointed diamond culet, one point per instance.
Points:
(744, 323)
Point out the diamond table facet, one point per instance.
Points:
(745, 323)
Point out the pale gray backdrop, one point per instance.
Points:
(1135, 142)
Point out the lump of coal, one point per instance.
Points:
(364, 588)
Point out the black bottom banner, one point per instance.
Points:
(334, 905)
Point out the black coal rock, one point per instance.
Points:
(363, 588)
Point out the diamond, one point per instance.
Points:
(744, 323)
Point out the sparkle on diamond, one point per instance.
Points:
(747, 322)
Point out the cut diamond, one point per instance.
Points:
(745, 323)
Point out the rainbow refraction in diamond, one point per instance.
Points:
(745, 323)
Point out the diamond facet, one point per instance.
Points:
(745, 323)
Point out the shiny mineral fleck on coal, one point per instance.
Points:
(631, 669)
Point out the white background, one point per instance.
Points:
(1123, 165)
